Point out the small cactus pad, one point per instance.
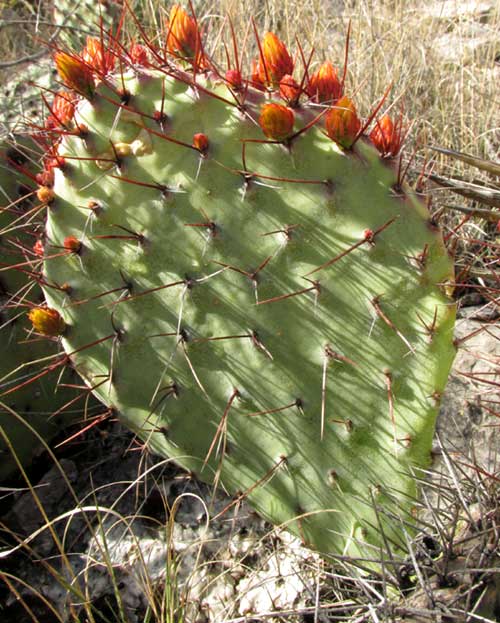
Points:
(251, 298)
(33, 392)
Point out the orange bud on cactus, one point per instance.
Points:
(72, 244)
(57, 162)
(47, 321)
(343, 123)
(63, 110)
(324, 86)
(75, 74)
(234, 79)
(200, 142)
(97, 57)
(276, 121)
(256, 81)
(81, 130)
(45, 179)
(183, 35)
(45, 194)
(289, 89)
(275, 61)
(38, 248)
(139, 55)
(386, 136)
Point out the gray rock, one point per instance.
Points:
(466, 424)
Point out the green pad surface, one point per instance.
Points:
(234, 312)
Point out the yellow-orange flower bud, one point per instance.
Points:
(275, 61)
(276, 121)
(183, 35)
(75, 73)
(343, 123)
(47, 321)
(45, 194)
(386, 136)
(324, 86)
(200, 142)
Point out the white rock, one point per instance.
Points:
(467, 42)
(457, 9)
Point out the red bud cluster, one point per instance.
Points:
(63, 110)
(289, 90)
(234, 79)
(139, 55)
(38, 248)
(98, 58)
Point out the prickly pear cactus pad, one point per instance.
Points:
(29, 396)
(248, 283)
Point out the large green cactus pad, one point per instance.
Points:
(235, 312)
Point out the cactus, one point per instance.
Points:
(248, 283)
(22, 358)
